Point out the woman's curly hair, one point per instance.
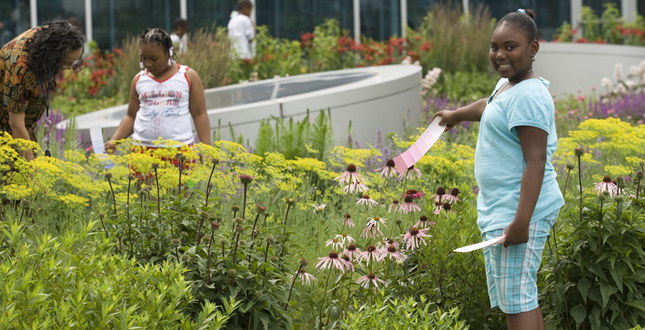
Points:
(49, 46)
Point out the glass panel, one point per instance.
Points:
(417, 10)
(291, 18)
(380, 19)
(206, 13)
(14, 19)
(598, 6)
(549, 14)
(53, 10)
(113, 20)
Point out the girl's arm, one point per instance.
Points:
(533, 141)
(471, 112)
(197, 106)
(125, 128)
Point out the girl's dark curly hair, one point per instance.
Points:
(49, 46)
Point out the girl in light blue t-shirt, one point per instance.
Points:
(518, 192)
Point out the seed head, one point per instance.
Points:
(370, 248)
(455, 191)
(351, 168)
(351, 247)
(246, 179)
(390, 163)
(395, 202)
(441, 191)
(155, 166)
(215, 225)
(108, 175)
(414, 231)
(578, 152)
(391, 249)
(371, 276)
(215, 161)
(344, 257)
(606, 179)
(423, 218)
(408, 199)
(446, 206)
(333, 255)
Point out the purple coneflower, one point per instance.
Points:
(372, 227)
(388, 171)
(395, 204)
(410, 173)
(446, 206)
(371, 253)
(385, 242)
(437, 208)
(348, 263)
(352, 251)
(414, 194)
(453, 196)
(246, 179)
(424, 222)
(366, 200)
(441, 191)
(331, 261)
(344, 238)
(350, 176)
(409, 205)
(392, 253)
(413, 237)
(305, 278)
(606, 185)
(348, 221)
(355, 187)
(365, 281)
(335, 244)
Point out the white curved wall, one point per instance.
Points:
(570, 66)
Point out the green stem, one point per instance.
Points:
(322, 305)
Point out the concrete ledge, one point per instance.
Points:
(570, 66)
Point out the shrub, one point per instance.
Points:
(390, 313)
(53, 283)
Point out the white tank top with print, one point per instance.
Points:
(163, 109)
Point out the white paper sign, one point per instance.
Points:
(473, 247)
(96, 135)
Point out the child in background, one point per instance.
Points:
(163, 98)
(179, 35)
(518, 192)
(241, 29)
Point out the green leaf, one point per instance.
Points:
(579, 313)
(606, 291)
(617, 273)
(583, 288)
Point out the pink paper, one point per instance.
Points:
(420, 147)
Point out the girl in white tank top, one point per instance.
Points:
(163, 98)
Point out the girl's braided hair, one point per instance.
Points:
(158, 35)
(524, 20)
(49, 45)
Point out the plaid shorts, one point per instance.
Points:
(512, 272)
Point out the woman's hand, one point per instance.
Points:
(516, 233)
(447, 118)
(110, 146)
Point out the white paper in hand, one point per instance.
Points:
(473, 247)
(420, 147)
(96, 135)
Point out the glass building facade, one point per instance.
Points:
(112, 20)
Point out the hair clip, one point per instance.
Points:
(170, 51)
(521, 11)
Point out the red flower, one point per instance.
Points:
(369, 57)
(599, 41)
(425, 46)
(582, 41)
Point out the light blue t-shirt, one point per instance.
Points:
(499, 162)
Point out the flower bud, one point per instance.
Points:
(304, 262)
(239, 229)
(570, 166)
(239, 221)
(214, 225)
(108, 175)
(269, 239)
(639, 175)
(290, 201)
(619, 198)
(260, 208)
(183, 234)
(235, 208)
(131, 177)
(176, 242)
(155, 166)
(602, 198)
